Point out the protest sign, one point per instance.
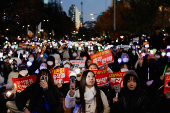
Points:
(24, 82)
(136, 40)
(146, 44)
(60, 75)
(116, 78)
(22, 45)
(103, 57)
(167, 83)
(101, 77)
(78, 63)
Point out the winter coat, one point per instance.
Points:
(131, 101)
(38, 97)
(161, 103)
(9, 84)
(70, 102)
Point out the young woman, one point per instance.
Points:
(87, 63)
(88, 98)
(43, 65)
(93, 66)
(43, 96)
(131, 98)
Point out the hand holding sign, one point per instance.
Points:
(167, 94)
(115, 99)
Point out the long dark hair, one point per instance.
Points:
(82, 87)
(47, 73)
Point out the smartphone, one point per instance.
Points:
(44, 78)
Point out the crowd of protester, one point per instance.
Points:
(139, 94)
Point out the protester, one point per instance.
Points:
(43, 95)
(162, 100)
(5, 68)
(32, 64)
(87, 63)
(11, 105)
(50, 62)
(88, 98)
(43, 65)
(131, 98)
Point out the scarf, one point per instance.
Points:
(89, 95)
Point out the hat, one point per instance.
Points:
(56, 56)
(66, 61)
(66, 54)
(158, 52)
(22, 67)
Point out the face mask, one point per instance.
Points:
(91, 53)
(74, 54)
(12, 67)
(67, 65)
(43, 67)
(23, 72)
(50, 63)
(124, 70)
(167, 73)
(84, 58)
(31, 59)
(125, 59)
(56, 61)
(157, 57)
(133, 52)
(60, 51)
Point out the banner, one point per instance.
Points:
(116, 78)
(60, 75)
(136, 39)
(101, 77)
(22, 45)
(78, 63)
(167, 83)
(24, 82)
(103, 57)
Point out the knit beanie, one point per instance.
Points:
(66, 54)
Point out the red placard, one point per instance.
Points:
(24, 82)
(116, 78)
(103, 57)
(22, 45)
(145, 43)
(166, 86)
(60, 75)
(101, 77)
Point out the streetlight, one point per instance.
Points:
(92, 18)
(28, 25)
(95, 14)
(7, 29)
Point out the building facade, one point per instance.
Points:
(74, 14)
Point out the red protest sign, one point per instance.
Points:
(60, 75)
(167, 83)
(116, 78)
(22, 45)
(101, 77)
(24, 82)
(103, 57)
(145, 43)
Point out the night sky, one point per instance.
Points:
(89, 6)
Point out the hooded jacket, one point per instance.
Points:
(131, 101)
